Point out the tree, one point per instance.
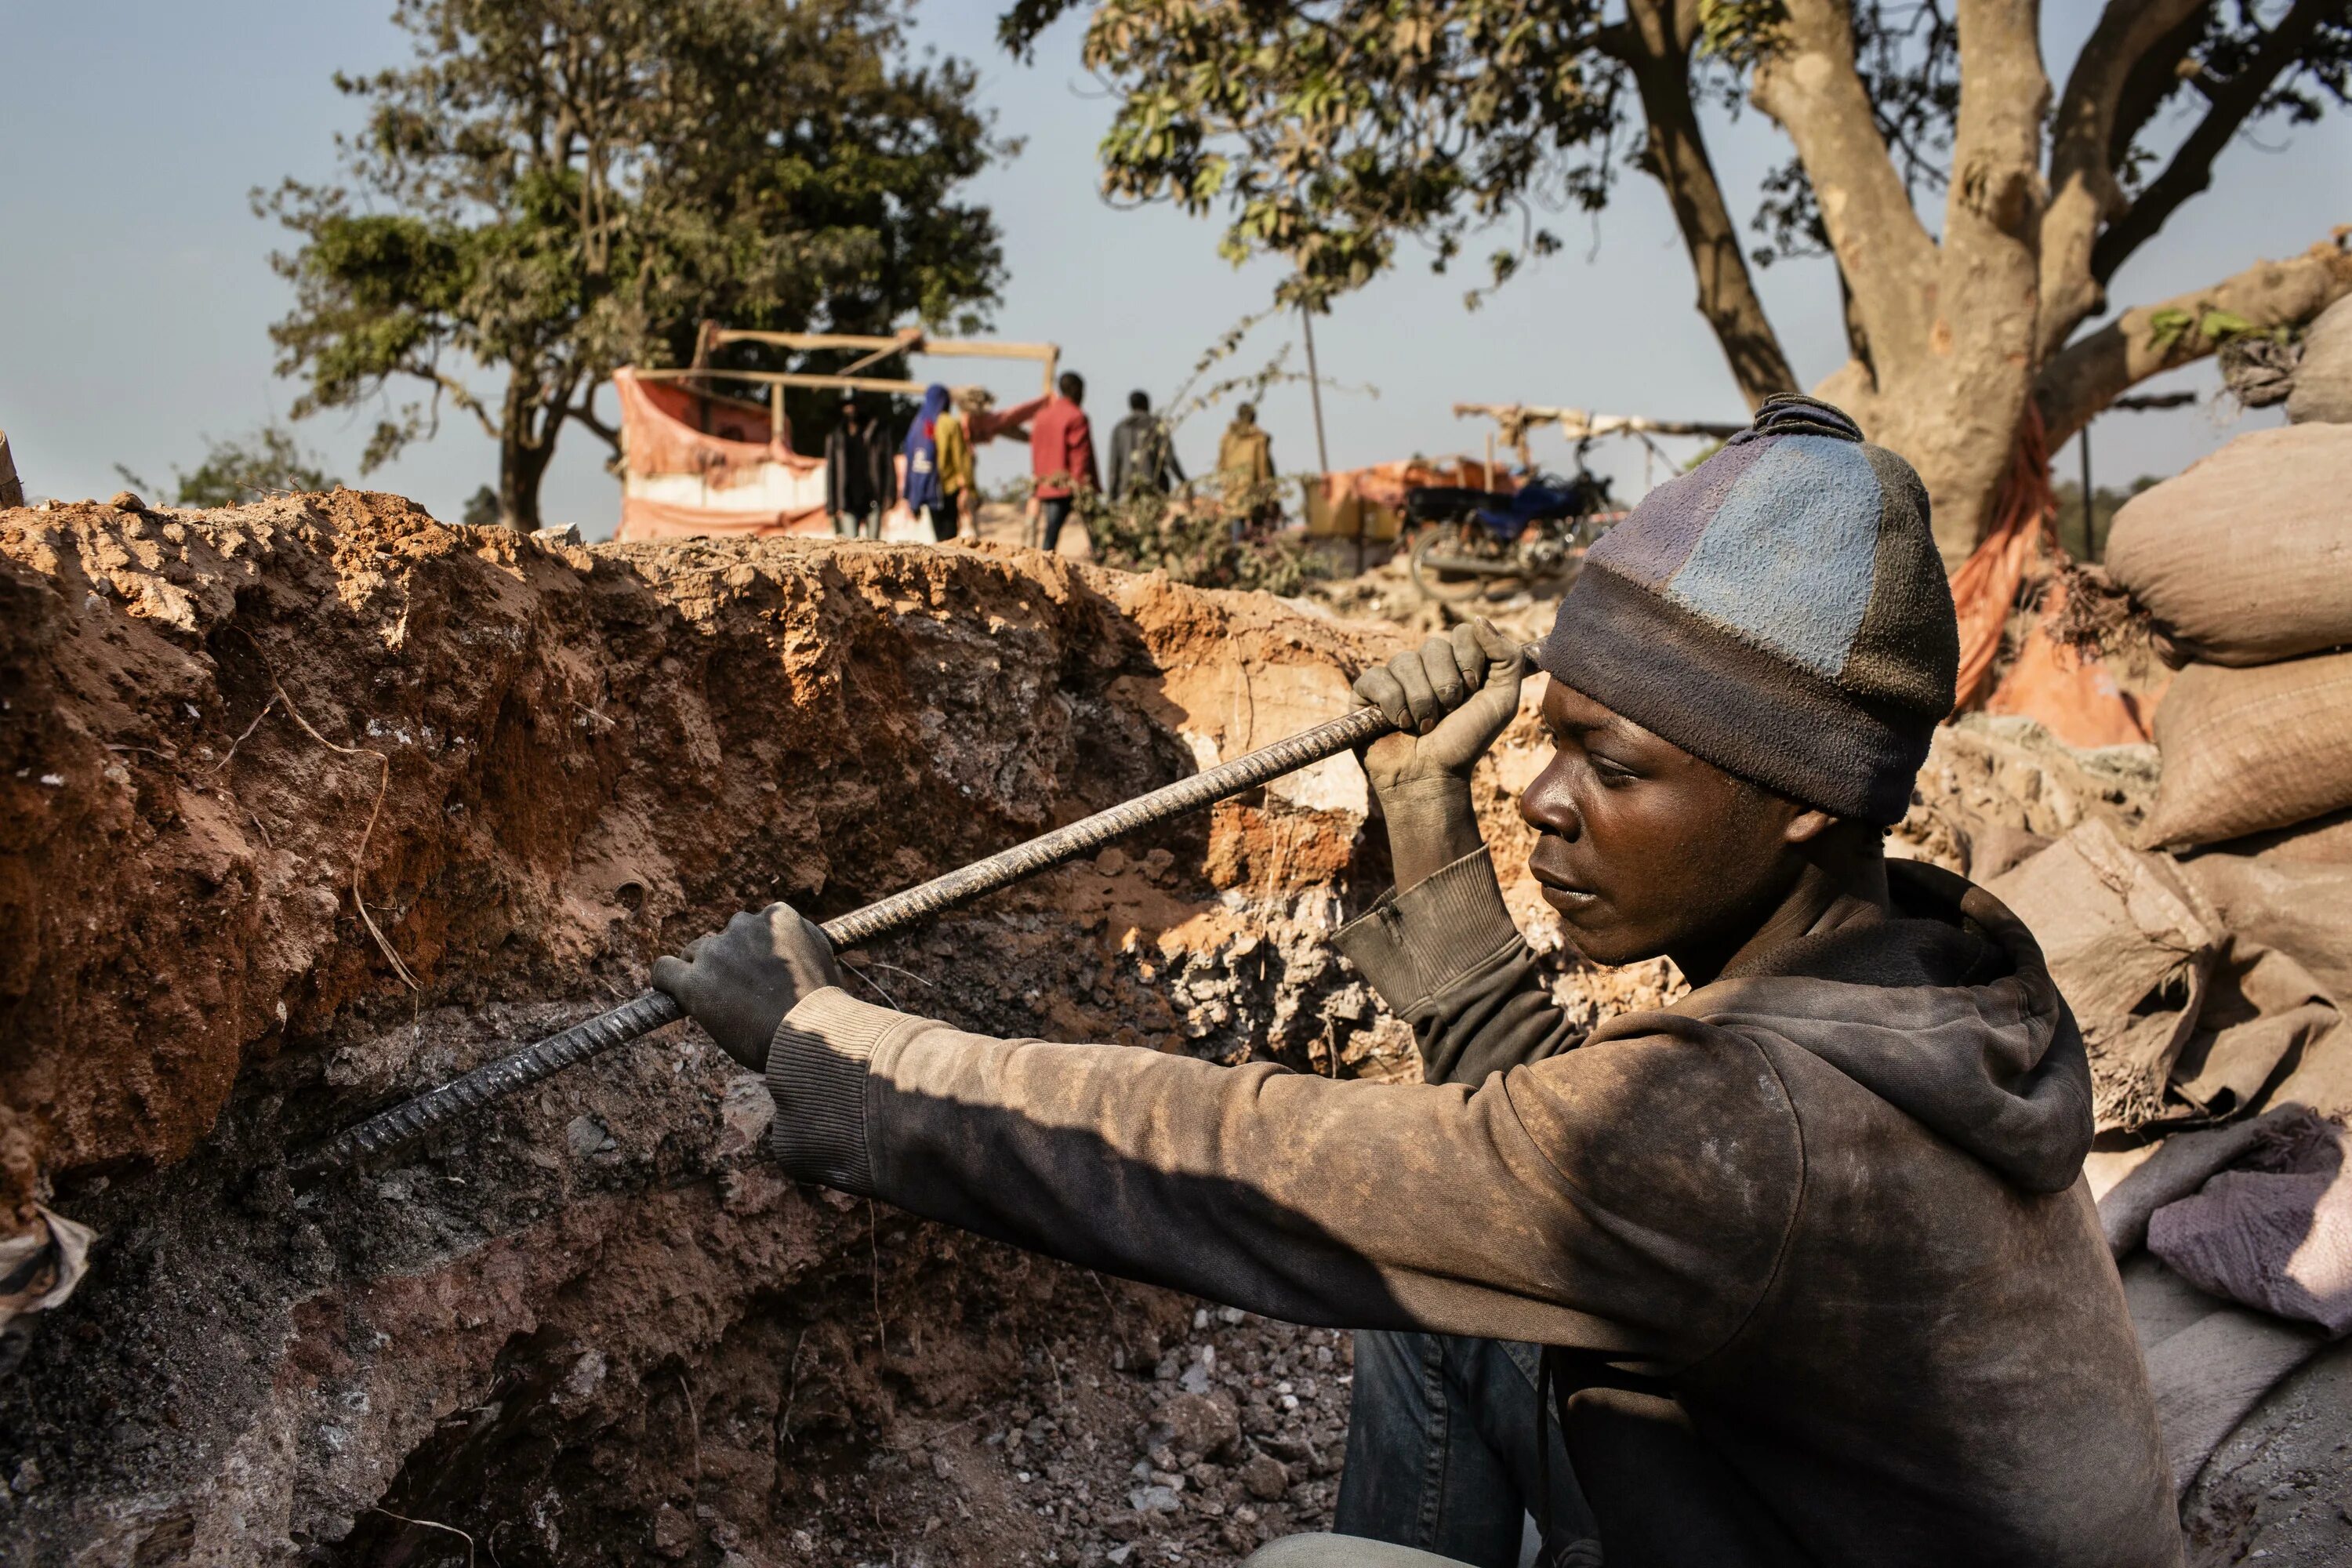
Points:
(555, 188)
(1330, 130)
(242, 468)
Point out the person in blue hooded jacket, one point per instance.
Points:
(925, 495)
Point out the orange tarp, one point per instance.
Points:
(2073, 696)
(662, 433)
(645, 519)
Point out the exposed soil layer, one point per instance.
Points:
(307, 804)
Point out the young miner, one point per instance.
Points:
(1817, 1276)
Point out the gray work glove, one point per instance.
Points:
(740, 983)
(1449, 698)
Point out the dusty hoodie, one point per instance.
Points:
(1831, 1213)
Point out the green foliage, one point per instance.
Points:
(242, 468)
(1330, 128)
(481, 508)
(1194, 538)
(554, 188)
(2172, 328)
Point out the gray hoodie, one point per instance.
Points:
(1830, 1216)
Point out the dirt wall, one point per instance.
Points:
(306, 805)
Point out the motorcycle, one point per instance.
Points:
(1473, 542)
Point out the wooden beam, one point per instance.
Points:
(910, 342)
(1578, 423)
(985, 348)
(790, 378)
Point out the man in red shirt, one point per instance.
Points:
(1062, 453)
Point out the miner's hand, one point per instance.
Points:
(1449, 699)
(740, 983)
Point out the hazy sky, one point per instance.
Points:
(135, 294)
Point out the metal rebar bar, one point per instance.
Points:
(414, 1119)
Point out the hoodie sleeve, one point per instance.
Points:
(1568, 1203)
(1446, 957)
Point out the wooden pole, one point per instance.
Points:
(12, 489)
(2090, 540)
(1315, 386)
(776, 413)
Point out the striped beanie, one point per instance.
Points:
(1779, 611)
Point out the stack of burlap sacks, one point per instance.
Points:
(2210, 963)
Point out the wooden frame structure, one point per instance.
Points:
(910, 342)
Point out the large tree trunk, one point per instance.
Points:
(1950, 326)
(1956, 410)
(526, 445)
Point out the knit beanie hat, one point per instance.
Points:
(1779, 611)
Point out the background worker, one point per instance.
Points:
(1062, 454)
(926, 494)
(1142, 452)
(1246, 466)
(861, 480)
(959, 469)
(1807, 1256)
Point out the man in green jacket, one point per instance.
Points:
(1808, 1253)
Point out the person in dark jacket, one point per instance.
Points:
(1142, 453)
(1806, 1258)
(861, 481)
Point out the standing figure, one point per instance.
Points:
(1245, 464)
(925, 494)
(1062, 454)
(959, 469)
(1142, 453)
(861, 482)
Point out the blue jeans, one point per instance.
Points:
(1441, 1451)
(1056, 510)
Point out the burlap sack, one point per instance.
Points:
(2322, 376)
(2246, 557)
(2249, 749)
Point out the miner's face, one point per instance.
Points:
(1645, 849)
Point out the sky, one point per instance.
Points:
(136, 294)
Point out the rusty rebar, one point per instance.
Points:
(641, 1015)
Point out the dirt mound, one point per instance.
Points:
(306, 805)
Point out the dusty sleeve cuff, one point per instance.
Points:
(1413, 944)
(816, 1075)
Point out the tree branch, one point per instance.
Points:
(584, 410)
(458, 392)
(2089, 375)
(1654, 46)
(2084, 193)
(1810, 86)
(2191, 169)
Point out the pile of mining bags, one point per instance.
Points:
(2244, 561)
(2210, 965)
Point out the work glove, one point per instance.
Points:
(740, 983)
(1449, 699)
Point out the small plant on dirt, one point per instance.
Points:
(1201, 537)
